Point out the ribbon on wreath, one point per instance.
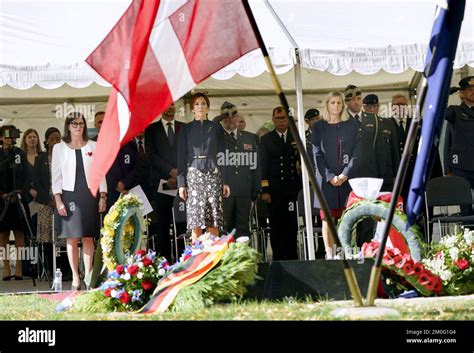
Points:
(396, 238)
(192, 270)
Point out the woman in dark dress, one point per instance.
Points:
(199, 178)
(334, 141)
(13, 176)
(77, 209)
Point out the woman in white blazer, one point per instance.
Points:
(77, 211)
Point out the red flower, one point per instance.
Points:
(107, 292)
(133, 269)
(147, 261)
(399, 261)
(418, 268)
(463, 264)
(140, 252)
(393, 251)
(119, 269)
(438, 287)
(124, 297)
(408, 268)
(147, 285)
(89, 154)
(424, 278)
(388, 260)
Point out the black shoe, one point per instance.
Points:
(18, 278)
(8, 278)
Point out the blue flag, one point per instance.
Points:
(438, 72)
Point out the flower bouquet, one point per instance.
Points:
(401, 273)
(452, 260)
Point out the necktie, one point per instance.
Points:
(233, 135)
(357, 117)
(402, 124)
(283, 138)
(141, 150)
(170, 133)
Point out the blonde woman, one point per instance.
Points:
(334, 140)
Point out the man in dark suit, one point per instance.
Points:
(310, 117)
(459, 148)
(373, 153)
(242, 165)
(124, 172)
(161, 141)
(281, 182)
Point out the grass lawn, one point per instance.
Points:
(32, 307)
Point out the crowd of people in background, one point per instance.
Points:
(218, 168)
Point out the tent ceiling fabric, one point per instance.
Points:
(47, 45)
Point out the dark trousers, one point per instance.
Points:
(164, 205)
(283, 224)
(236, 215)
(466, 210)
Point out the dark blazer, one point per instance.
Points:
(460, 152)
(198, 147)
(241, 161)
(280, 163)
(126, 168)
(335, 152)
(379, 156)
(42, 178)
(162, 157)
(402, 133)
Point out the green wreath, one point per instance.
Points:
(122, 230)
(367, 208)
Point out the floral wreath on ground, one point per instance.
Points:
(401, 273)
(453, 260)
(112, 221)
(130, 286)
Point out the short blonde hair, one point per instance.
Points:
(344, 114)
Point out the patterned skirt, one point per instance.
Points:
(204, 206)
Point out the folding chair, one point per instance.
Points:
(179, 218)
(302, 236)
(443, 192)
(260, 228)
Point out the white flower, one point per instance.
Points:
(140, 264)
(140, 275)
(449, 241)
(454, 253)
(161, 272)
(113, 293)
(446, 275)
(242, 240)
(468, 236)
(126, 276)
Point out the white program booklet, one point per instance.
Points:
(137, 190)
(170, 192)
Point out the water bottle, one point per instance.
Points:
(58, 281)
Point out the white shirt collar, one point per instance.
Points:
(234, 131)
(165, 124)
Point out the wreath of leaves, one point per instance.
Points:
(376, 208)
(122, 229)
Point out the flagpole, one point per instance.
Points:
(348, 270)
(407, 151)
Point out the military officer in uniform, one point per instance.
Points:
(241, 161)
(281, 182)
(388, 156)
(459, 149)
(310, 117)
(376, 156)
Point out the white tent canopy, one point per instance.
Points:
(375, 45)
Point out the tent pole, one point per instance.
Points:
(304, 168)
(348, 270)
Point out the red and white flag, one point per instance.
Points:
(156, 53)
